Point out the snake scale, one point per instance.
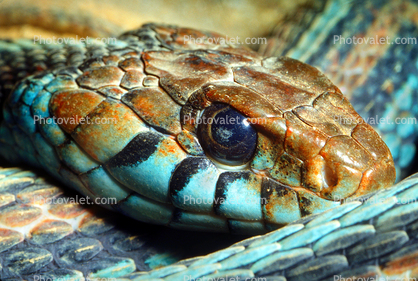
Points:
(289, 155)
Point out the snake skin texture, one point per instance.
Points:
(356, 239)
(147, 156)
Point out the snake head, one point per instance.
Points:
(283, 142)
(309, 136)
(311, 147)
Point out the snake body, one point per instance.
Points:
(152, 77)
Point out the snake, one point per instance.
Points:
(168, 127)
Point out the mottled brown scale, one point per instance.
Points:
(371, 141)
(301, 140)
(185, 38)
(6, 199)
(339, 110)
(38, 195)
(132, 79)
(280, 94)
(101, 140)
(300, 75)
(287, 170)
(111, 60)
(241, 98)
(132, 63)
(165, 116)
(318, 120)
(95, 78)
(91, 224)
(72, 105)
(183, 73)
(354, 155)
(112, 91)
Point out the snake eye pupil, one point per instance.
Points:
(226, 136)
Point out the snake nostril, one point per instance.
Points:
(319, 176)
(330, 179)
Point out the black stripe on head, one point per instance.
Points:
(185, 170)
(139, 149)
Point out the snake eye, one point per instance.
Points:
(226, 136)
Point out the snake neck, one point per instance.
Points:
(18, 59)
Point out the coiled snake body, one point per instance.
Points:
(126, 122)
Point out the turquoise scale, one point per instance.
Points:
(276, 235)
(146, 210)
(193, 185)
(34, 87)
(342, 238)
(61, 82)
(199, 222)
(240, 196)
(7, 147)
(48, 156)
(75, 158)
(25, 149)
(334, 213)
(281, 260)
(23, 118)
(100, 183)
(218, 256)
(397, 217)
(247, 227)
(145, 158)
(74, 181)
(249, 256)
(40, 105)
(366, 212)
(309, 235)
(157, 273)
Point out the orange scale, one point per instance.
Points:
(72, 106)
(19, 215)
(67, 210)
